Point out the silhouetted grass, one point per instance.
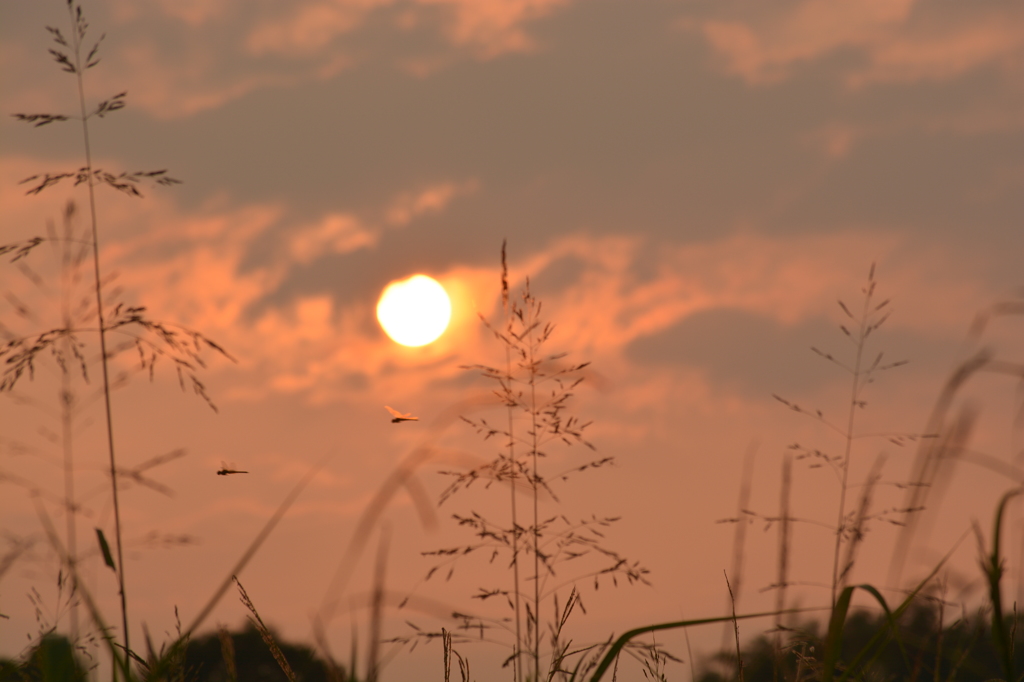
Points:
(535, 387)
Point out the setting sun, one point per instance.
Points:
(414, 311)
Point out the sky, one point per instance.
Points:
(690, 188)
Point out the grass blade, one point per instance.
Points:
(108, 559)
(624, 639)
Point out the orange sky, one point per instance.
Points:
(689, 186)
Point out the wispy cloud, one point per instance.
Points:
(902, 40)
(607, 305)
(307, 28)
(180, 59)
(342, 233)
(432, 199)
(488, 27)
(195, 267)
(494, 27)
(338, 233)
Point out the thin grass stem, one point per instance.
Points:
(513, 473)
(784, 545)
(534, 445)
(66, 415)
(76, 36)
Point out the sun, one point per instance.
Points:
(414, 311)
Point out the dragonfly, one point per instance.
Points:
(225, 470)
(399, 417)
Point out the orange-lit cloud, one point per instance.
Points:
(903, 40)
(494, 27)
(784, 278)
(195, 13)
(164, 82)
(949, 49)
(307, 28)
(216, 53)
(189, 84)
(429, 200)
(335, 233)
(762, 51)
(188, 267)
(835, 140)
(489, 27)
(342, 233)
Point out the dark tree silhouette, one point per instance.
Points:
(204, 660)
(52, 659)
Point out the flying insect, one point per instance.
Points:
(399, 417)
(225, 470)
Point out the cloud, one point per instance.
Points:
(488, 27)
(191, 83)
(343, 233)
(835, 140)
(339, 233)
(179, 59)
(763, 49)
(626, 296)
(606, 294)
(194, 268)
(902, 40)
(784, 278)
(308, 28)
(947, 49)
(617, 295)
(434, 198)
(195, 13)
(494, 27)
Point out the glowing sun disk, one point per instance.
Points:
(414, 311)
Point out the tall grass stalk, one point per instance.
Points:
(68, 271)
(264, 631)
(782, 581)
(77, 35)
(936, 456)
(69, 56)
(373, 665)
(739, 536)
(532, 344)
(857, 380)
(735, 629)
(993, 566)
(535, 388)
(849, 526)
(517, 673)
(152, 339)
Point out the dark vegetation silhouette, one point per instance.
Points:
(921, 650)
(206, 660)
(51, 659)
(223, 656)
